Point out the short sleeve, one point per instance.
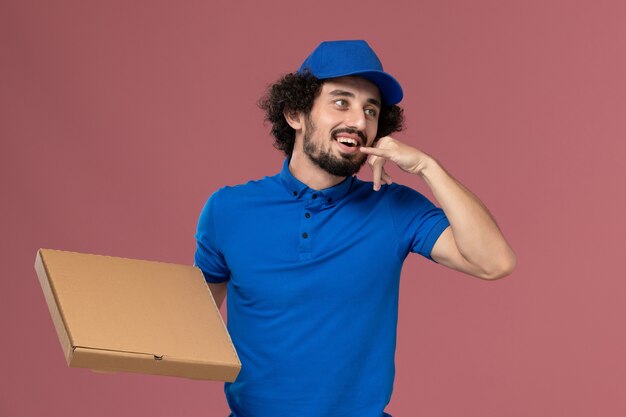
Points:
(208, 256)
(418, 221)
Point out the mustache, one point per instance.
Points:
(351, 131)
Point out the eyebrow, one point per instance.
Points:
(349, 94)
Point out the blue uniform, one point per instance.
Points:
(313, 280)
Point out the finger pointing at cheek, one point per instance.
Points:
(383, 153)
(407, 158)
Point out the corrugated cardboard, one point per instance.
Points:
(116, 314)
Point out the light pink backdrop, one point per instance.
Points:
(118, 119)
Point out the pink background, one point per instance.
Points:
(118, 119)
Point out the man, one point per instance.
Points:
(311, 257)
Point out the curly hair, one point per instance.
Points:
(297, 92)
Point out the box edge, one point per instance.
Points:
(53, 306)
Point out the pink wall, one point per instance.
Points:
(118, 119)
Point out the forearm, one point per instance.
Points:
(476, 233)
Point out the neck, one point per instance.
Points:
(307, 172)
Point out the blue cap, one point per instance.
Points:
(332, 59)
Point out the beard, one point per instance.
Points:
(343, 166)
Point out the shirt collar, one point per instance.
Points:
(298, 189)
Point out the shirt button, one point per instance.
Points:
(330, 200)
(307, 215)
(295, 193)
(314, 196)
(305, 235)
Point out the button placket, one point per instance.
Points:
(314, 201)
(306, 229)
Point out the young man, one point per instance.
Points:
(311, 257)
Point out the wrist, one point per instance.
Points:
(426, 167)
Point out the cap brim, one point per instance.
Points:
(390, 89)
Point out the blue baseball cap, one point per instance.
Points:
(332, 59)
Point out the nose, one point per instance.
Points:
(356, 119)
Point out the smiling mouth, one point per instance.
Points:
(352, 143)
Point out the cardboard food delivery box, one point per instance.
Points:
(115, 314)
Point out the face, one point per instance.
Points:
(344, 116)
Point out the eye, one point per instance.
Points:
(341, 102)
(371, 112)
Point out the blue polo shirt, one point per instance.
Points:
(313, 280)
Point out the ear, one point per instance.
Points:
(294, 119)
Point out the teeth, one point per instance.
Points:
(347, 141)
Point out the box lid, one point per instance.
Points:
(110, 310)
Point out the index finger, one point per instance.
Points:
(383, 153)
